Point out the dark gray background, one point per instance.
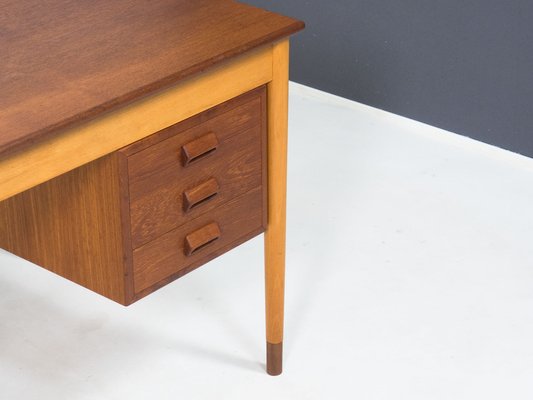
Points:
(462, 65)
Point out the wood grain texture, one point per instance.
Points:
(158, 180)
(65, 61)
(112, 131)
(166, 257)
(160, 206)
(242, 100)
(277, 193)
(72, 225)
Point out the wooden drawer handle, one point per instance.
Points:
(199, 148)
(200, 194)
(201, 238)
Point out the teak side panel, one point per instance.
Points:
(72, 225)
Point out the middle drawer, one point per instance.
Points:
(191, 173)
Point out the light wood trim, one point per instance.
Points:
(277, 190)
(86, 143)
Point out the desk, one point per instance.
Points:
(139, 140)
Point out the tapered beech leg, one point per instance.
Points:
(277, 191)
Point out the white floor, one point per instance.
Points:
(410, 276)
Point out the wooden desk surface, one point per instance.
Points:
(63, 62)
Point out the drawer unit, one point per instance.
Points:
(148, 213)
(196, 190)
(195, 171)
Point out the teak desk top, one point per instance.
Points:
(86, 85)
(63, 62)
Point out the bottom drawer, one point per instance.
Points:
(198, 241)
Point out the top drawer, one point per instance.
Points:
(192, 167)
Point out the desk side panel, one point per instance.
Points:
(72, 226)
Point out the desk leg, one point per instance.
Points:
(277, 192)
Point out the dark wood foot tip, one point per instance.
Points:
(274, 358)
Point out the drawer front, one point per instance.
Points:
(196, 170)
(197, 241)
